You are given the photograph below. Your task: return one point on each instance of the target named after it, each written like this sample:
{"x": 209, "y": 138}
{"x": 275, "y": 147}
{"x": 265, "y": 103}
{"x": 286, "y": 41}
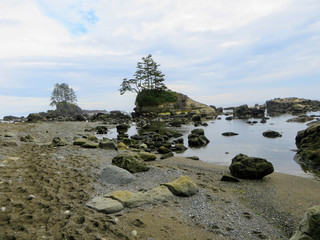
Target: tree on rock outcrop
{"x": 147, "y": 77}
{"x": 65, "y": 100}
{"x": 63, "y": 93}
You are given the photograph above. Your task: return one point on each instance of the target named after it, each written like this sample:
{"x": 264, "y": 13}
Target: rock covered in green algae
{"x": 132, "y": 162}
{"x": 246, "y": 167}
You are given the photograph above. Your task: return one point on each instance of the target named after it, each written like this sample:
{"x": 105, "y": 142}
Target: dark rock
{"x": 102, "y": 129}
{"x": 229, "y": 118}
{"x": 308, "y": 143}
{"x": 107, "y": 144}
{"x": 229, "y": 134}
{"x": 271, "y": 134}
{"x": 122, "y": 128}
{"x": 167, "y": 155}
{"x": 228, "y": 178}
{"x": 198, "y": 131}
{"x": 301, "y": 119}
{"x": 132, "y": 162}
{"x": 246, "y": 167}
{"x": 163, "y": 150}
{"x": 196, "y": 158}
{"x": 35, "y": 117}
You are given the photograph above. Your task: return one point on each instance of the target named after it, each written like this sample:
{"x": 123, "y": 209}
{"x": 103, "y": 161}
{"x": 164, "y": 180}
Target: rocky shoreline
{"x": 44, "y": 190}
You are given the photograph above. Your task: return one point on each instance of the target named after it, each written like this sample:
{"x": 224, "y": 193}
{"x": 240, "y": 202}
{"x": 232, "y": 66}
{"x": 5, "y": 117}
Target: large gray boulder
{"x": 309, "y": 228}
{"x": 132, "y": 162}
{"x": 246, "y": 167}
{"x": 105, "y": 205}
{"x": 116, "y": 175}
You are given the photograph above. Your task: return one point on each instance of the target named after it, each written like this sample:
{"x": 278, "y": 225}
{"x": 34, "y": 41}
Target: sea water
{"x": 279, "y": 151}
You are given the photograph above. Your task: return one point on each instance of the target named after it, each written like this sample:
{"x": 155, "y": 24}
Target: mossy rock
{"x": 183, "y": 186}
{"x": 132, "y": 162}
{"x": 79, "y": 141}
{"x": 246, "y": 167}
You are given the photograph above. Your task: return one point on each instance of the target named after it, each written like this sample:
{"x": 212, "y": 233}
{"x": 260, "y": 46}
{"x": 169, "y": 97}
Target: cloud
{"x": 206, "y": 48}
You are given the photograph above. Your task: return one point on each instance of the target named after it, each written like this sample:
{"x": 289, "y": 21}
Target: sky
{"x": 218, "y": 52}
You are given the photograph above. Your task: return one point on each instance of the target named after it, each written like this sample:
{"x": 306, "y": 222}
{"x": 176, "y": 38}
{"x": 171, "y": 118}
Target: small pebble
{"x": 134, "y": 232}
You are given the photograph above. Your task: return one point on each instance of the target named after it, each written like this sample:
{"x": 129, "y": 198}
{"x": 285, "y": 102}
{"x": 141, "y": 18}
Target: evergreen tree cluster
{"x": 147, "y": 77}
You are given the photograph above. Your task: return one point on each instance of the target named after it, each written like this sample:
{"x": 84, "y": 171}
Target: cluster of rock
{"x": 197, "y": 138}
{"x": 308, "y": 143}
{"x": 245, "y": 112}
{"x": 280, "y": 106}
{"x": 118, "y": 200}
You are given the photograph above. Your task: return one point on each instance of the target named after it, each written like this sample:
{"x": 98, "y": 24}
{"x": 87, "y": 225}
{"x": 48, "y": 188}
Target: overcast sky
{"x": 218, "y": 52}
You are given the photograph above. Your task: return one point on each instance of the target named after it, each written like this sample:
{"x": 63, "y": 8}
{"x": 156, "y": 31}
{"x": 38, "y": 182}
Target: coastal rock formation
{"x": 309, "y": 228}
{"x": 246, "y": 167}
{"x": 183, "y": 186}
{"x": 183, "y": 104}
{"x": 280, "y": 106}
{"x": 245, "y": 112}
{"x": 308, "y": 143}
{"x": 59, "y": 141}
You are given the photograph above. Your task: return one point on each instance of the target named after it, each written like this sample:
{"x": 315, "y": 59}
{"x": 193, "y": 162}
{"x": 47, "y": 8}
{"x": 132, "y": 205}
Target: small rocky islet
{"x": 59, "y": 181}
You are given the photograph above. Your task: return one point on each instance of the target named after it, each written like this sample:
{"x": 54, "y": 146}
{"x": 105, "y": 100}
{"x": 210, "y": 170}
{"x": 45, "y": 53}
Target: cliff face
{"x": 183, "y": 104}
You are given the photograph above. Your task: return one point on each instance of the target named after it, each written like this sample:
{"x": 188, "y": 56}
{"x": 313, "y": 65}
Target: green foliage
{"x": 154, "y": 98}
{"x": 63, "y": 93}
{"x": 147, "y": 77}
{"x": 64, "y": 108}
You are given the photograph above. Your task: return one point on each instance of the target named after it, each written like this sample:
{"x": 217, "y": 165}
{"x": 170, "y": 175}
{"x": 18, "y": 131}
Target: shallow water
{"x": 250, "y": 141}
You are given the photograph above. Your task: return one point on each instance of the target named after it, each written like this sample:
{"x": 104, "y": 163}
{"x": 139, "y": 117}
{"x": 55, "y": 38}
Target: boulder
{"x": 163, "y": 150}
{"x": 122, "y": 128}
{"x": 115, "y": 175}
{"x": 309, "y": 228}
{"x": 80, "y": 141}
{"x": 107, "y": 144}
{"x": 246, "y": 167}
{"x": 130, "y": 161}
{"x": 271, "y": 134}
{"x": 105, "y": 205}
{"x": 59, "y": 141}
{"x": 102, "y": 129}
{"x": 133, "y": 200}
{"x": 122, "y": 146}
{"x": 145, "y": 156}
{"x": 197, "y": 138}
{"x": 92, "y": 138}
{"x": 167, "y": 155}
{"x": 183, "y": 186}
